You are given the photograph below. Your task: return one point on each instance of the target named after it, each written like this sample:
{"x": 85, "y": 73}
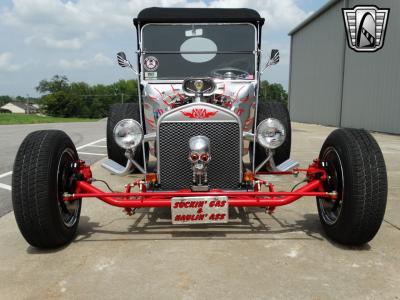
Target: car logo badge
{"x": 198, "y": 84}
{"x": 199, "y": 113}
{"x": 365, "y": 27}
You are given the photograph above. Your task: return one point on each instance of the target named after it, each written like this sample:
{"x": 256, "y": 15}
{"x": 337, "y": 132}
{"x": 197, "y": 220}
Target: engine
{"x": 236, "y": 96}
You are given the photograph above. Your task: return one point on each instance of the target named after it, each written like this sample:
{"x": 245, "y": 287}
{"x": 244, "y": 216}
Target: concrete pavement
{"x": 255, "y": 256}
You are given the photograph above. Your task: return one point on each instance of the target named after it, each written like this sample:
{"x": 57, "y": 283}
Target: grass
{"x": 9, "y": 119}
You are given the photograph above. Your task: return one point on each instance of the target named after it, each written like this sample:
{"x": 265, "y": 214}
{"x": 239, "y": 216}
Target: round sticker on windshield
{"x": 151, "y": 63}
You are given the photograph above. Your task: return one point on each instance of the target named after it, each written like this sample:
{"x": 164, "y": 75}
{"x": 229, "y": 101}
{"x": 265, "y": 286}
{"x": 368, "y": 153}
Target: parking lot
{"x": 89, "y": 138}
{"x": 254, "y": 256}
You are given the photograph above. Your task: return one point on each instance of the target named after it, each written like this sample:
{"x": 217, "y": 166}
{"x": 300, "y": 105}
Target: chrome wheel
{"x": 69, "y": 211}
{"x": 331, "y": 209}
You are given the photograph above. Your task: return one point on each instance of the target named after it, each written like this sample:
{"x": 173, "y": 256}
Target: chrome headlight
{"x": 271, "y": 133}
{"x": 128, "y": 134}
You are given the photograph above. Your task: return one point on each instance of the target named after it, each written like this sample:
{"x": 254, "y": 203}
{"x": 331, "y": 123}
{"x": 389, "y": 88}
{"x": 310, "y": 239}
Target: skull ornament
{"x": 199, "y": 156}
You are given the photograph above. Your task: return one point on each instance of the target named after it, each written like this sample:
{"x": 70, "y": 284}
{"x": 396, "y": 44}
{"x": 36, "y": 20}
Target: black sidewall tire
{"x": 365, "y": 187}
{"x": 34, "y": 189}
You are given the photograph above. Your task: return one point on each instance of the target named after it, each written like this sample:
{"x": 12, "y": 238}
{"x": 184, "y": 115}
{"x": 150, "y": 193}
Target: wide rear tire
{"x": 117, "y": 113}
{"x": 42, "y": 171}
{"x": 356, "y": 170}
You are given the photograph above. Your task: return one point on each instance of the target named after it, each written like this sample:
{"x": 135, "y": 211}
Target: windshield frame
{"x": 141, "y": 52}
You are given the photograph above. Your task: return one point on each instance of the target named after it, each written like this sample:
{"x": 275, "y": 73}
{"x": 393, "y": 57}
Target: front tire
{"x": 356, "y": 170}
{"x": 42, "y": 173}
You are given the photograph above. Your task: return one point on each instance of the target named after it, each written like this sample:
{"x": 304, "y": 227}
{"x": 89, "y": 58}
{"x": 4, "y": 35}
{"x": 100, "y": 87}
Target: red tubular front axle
{"x": 163, "y": 199}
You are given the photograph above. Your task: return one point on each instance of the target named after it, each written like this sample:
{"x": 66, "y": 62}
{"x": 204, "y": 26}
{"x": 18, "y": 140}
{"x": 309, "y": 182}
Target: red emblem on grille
{"x": 199, "y": 113}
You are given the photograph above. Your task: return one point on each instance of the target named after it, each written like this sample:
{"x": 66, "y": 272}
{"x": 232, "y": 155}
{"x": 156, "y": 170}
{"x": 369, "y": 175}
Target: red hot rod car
{"x": 201, "y": 138}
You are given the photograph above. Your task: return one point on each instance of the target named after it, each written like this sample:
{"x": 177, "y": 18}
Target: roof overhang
{"x": 315, "y": 15}
{"x": 198, "y": 15}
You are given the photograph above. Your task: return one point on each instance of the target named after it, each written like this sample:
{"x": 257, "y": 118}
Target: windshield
{"x": 203, "y": 50}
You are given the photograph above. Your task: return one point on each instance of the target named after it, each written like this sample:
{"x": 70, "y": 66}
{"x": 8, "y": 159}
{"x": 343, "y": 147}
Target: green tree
{"x": 5, "y": 99}
{"x": 126, "y": 89}
{"x": 20, "y": 99}
{"x": 55, "y": 104}
{"x": 273, "y": 92}
{"x": 56, "y": 84}
{"x": 79, "y": 99}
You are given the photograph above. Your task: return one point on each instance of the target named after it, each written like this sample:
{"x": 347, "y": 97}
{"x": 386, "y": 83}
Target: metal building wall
{"x": 316, "y": 69}
{"x": 371, "y": 89}
{"x": 331, "y": 84}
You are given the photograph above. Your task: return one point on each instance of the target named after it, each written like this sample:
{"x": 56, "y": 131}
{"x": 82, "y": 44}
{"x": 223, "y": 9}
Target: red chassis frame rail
{"x": 316, "y": 176}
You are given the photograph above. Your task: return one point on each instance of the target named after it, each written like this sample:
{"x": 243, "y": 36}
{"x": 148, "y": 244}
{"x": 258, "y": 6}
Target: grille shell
{"x": 175, "y": 169}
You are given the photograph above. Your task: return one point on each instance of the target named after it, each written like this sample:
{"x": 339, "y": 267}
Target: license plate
{"x": 199, "y": 210}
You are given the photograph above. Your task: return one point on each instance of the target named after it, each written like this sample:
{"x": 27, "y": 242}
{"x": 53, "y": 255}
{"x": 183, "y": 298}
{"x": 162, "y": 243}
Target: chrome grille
{"x": 174, "y": 165}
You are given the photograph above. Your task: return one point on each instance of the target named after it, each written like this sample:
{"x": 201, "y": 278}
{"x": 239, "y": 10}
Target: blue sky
{"x": 79, "y": 38}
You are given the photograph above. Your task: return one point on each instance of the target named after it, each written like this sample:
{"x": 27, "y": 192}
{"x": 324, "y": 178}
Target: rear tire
{"x": 117, "y": 113}
{"x": 357, "y": 171}
{"x": 42, "y": 171}
{"x": 279, "y": 111}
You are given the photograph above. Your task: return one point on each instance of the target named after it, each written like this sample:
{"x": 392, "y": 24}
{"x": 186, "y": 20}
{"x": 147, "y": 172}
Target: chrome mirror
{"x": 272, "y": 60}
{"x": 274, "y": 57}
{"x": 124, "y": 62}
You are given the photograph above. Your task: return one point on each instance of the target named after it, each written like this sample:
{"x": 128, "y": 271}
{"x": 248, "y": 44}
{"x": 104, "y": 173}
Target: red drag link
{"x": 163, "y": 199}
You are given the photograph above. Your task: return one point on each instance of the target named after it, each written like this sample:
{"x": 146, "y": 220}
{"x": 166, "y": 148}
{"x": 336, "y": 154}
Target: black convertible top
{"x": 198, "y": 15}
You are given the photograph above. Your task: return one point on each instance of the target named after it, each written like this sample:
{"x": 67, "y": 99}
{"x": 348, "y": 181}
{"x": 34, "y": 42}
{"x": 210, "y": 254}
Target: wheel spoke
{"x": 68, "y": 211}
{"x": 331, "y": 209}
